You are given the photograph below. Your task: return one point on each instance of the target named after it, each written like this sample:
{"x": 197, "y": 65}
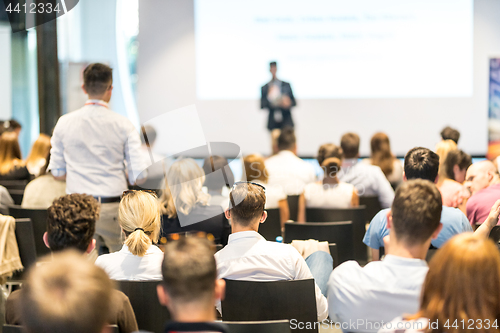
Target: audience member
{"x": 275, "y": 134}
{"x": 248, "y": 256}
{"x": 68, "y": 294}
{"x": 37, "y": 158}
{"x": 218, "y": 180}
{"x": 89, "y": 147}
{"x": 286, "y": 169}
{"x": 456, "y": 165}
{"x": 483, "y": 181}
{"x": 5, "y": 200}
{"x": 420, "y": 163}
{"x": 382, "y": 157}
{"x": 190, "y": 286}
{"x": 71, "y": 224}
{"x": 453, "y": 192}
{"x": 367, "y": 179}
{"x": 139, "y": 259}
{"x": 12, "y": 166}
{"x": 12, "y": 126}
{"x": 449, "y": 133}
{"x": 443, "y": 148}
{"x": 185, "y": 205}
{"x": 330, "y": 192}
{"x": 158, "y": 164}
{"x": 256, "y": 172}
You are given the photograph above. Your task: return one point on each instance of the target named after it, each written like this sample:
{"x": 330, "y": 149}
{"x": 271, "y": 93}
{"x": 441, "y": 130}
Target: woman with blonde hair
{"x": 139, "y": 259}
{"x": 38, "y": 155}
{"x": 382, "y": 157}
{"x": 255, "y": 171}
{"x": 12, "y": 166}
{"x": 185, "y": 206}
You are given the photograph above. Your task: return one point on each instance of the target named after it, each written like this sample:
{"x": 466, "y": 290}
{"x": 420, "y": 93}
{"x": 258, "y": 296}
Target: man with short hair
{"x": 368, "y": 179}
{"x": 71, "y": 224}
{"x": 190, "y": 286}
{"x": 483, "y": 181}
{"x": 449, "y": 133}
{"x": 420, "y": 163}
{"x": 248, "y": 256}
{"x": 89, "y": 149}
{"x": 67, "y": 294}
{"x": 285, "y": 169}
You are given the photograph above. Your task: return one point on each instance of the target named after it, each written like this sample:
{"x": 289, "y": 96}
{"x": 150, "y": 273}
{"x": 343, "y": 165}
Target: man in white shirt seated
{"x": 287, "y": 170}
{"x": 368, "y": 179}
{"x": 248, "y": 256}
{"x": 361, "y": 298}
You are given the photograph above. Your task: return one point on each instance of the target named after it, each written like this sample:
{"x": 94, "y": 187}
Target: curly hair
{"x": 71, "y": 222}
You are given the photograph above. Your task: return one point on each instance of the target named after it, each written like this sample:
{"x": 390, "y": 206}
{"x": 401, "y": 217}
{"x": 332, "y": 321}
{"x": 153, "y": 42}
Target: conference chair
{"x": 19, "y": 329}
{"x": 17, "y": 196}
{"x": 27, "y": 252}
{"x": 339, "y": 233}
{"x": 14, "y": 184}
{"x": 271, "y": 228}
{"x": 272, "y": 300}
{"x": 495, "y": 234}
{"x": 334, "y": 252}
{"x": 372, "y": 205}
{"x": 293, "y": 206}
{"x": 149, "y": 313}
{"x": 271, "y": 326}
{"x": 356, "y": 215}
{"x": 39, "y": 221}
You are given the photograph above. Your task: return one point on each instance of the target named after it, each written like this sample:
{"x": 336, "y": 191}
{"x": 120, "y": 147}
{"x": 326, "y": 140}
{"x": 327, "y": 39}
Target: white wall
{"x": 5, "y": 72}
{"x": 166, "y": 68}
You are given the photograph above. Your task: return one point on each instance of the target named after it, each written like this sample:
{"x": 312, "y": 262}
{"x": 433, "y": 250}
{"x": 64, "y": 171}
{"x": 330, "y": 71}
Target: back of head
{"x": 255, "y": 168}
{"x": 421, "y": 163}
{"x": 287, "y": 140}
{"x": 71, "y": 222}
{"x": 330, "y": 158}
{"x": 189, "y": 270}
{"x": 456, "y": 157}
{"x": 11, "y": 125}
{"x": 10, "y": 152}
{"x": 381, "y": 153}
{"x": 40, "y": 149}
{"x": 462, "y": 282}
{"x": 247, "y": 203}
{"x": 350, "y": 145}
{"x": 97, "y": 79}
{"x": 213, "y": 163}
{"x": 442, "y": 149}
{"x": 148, "y": 136}
{"x": 449, "y": 133}
{"x": 183, "y": 189}
{"x": 139, "y": 216}
{"x": 416, "y": 211}
{"x": 67, "y": 294}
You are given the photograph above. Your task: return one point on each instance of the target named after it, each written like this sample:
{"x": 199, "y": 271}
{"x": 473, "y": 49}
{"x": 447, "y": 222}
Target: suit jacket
{"x": 286, "y": 90}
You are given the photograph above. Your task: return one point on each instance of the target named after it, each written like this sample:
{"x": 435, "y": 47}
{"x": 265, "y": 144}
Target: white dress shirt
{"x": 368, "y": 180}
{"x": 90, "y": 146}
{"x": 380, "y": 291}
{"x": 289, "y": 172}
{"x": 274, "y": 194}
{"x": 320, "y": 195}
{"x": 248, "y": 256}
{"x": 123, "y": 265}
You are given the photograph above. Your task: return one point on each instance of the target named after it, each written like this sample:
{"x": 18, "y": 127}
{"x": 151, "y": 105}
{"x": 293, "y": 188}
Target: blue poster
{"x": 494, "y": 109}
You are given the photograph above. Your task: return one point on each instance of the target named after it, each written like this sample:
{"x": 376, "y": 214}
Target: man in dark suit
{"x": 277, "y": 96}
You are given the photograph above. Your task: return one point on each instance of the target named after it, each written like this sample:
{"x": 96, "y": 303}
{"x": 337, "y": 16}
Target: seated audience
{"x": 275, "y": 134}
{"x": 68, "y": 294}
{"x": 367, "y": 179}
{"x": 451, "y": 181}
{"x": 330, "y": 192}
{"x": 185, "y": 207}
{"x": 443, "y": 148}
{"x": 139, "y": 259}
{"x": 71, "y": 225}
{"x": 287, "y": 170}
{"x": 460, "y": 288}
{"x": 382, "y": 157}
{"x": 190, "y": 286}
{"x": 483, "y": 181}
{"x": 10, "y": 126}
{"x": 420, "y": 163}
{"x": 215, "y": 183}
{"x": 256, "y": 172}
{"x": 449, "y": 133}
{"x": 248, "y": 256}
{"x": 37, "y": 159}
{"x": 5, "y": 200}
{"x": 12, "y": 166}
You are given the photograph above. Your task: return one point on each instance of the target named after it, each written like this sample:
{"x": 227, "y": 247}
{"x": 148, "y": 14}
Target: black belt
{"x": 108, "y": 199}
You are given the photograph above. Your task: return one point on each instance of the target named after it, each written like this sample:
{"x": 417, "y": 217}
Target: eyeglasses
{"x": 127, "y": 192}
{"x": 256, "y": 184}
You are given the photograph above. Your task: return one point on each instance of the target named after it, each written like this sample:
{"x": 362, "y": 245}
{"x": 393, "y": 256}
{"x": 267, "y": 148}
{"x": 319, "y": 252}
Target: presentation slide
{"x": 335, "y": 49}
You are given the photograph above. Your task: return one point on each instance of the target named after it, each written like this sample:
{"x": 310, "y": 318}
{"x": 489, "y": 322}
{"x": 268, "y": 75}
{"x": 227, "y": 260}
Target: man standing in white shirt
{"x": 90, "y": 147}
{"x": 248, "y": 256}
{"x": 285, "y": 169}
{"x": 367, "y": 179}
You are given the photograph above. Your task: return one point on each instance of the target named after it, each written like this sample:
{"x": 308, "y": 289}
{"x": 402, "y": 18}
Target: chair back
{"x": 25, "y": 242}
{"x": 149, "y": 313}
{"x": 334, "y": 253}
{"x": 271, "y": 228}
{"x": 17, "y": 196}
{"x": 339, "y": 233}
{"x": 293, "y": 206}
{"x": 355, "y": 214}
{"x": 38, "y": 219}
{"x": 271, "y": 326}
{"x": 372, "y": 205}
{"x": 14, "y": 184}
{"x": 495, "y": 234}
{"x": 274, "y": 300}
